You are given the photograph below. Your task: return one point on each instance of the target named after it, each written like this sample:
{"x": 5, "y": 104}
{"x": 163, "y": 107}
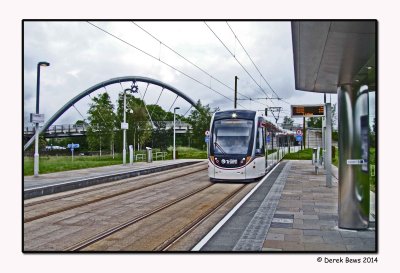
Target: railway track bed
{"x": 161, "y": 215}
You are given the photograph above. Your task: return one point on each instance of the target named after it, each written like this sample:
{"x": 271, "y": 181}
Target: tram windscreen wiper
{"x": 219, "y": 147}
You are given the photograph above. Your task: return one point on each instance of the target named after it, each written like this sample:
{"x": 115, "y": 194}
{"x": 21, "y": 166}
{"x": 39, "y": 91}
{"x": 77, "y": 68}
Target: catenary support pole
{"x": 235, "y": 100}
{"x": 328, "y": 145}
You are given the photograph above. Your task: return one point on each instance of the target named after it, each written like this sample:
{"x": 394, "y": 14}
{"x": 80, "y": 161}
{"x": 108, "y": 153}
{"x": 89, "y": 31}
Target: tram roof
{"x": 328, "y": 54}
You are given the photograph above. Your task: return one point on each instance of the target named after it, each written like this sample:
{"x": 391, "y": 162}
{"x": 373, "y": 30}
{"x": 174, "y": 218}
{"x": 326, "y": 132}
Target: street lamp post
{"x": 36, "y": 155}
{"x": 124, "y": 128}
{"x": 176, "y": 108}
{"x": 124, "y": 125}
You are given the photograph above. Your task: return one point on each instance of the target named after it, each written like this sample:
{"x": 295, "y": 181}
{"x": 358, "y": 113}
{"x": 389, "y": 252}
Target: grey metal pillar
{"x": 324, "y": 134}
{"x": 328, "y": 144}
{"x": 124, "y": 135}
{"x": 324, "y": 139}
{"x": 353, "y": 151}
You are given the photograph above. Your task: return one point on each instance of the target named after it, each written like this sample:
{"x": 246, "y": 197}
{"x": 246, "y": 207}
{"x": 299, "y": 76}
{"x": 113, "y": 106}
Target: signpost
{"x": 73, "y": 146}
{"x": 299, "y": 135}
{"x": 207, "y": 140}
{"x": 36, "y": 118}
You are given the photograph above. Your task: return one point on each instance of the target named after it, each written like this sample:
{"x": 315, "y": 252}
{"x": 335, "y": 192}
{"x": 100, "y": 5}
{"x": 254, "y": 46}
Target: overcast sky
{"x": 81, "y": 55}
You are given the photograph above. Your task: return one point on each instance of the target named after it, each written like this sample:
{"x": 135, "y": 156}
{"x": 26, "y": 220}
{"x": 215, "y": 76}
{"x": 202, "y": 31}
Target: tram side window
{"x": 260, "y": 142}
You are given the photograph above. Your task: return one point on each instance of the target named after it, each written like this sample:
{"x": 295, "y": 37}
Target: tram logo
{"x": 229, "y": 161}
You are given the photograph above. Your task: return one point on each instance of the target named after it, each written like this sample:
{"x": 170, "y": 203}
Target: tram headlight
{"x": 234, "y": 115}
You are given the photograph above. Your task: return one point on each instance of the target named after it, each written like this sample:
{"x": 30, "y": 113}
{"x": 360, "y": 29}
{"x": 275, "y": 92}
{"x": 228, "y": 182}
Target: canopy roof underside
{"x": 328, "y": 54}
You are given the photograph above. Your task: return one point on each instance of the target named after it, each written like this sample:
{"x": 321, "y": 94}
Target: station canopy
{"x": 328, "y": 54}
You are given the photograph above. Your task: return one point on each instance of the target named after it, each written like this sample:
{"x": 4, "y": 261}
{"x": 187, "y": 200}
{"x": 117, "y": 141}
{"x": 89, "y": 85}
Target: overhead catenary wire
{"x": 258, "y": 70}
{"x": 233, "y": 55}
{"x": 248, "y": 55}
{"x": 187, "y": 60}
{"x": 165, "y": 63}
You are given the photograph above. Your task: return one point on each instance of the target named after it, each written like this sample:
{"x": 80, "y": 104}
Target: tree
{"x": 80, "y": 122}
{"x": 314, "y": 122}
{"x": 372, "y": 134}
{"x": 139, "y": 131}
{"x": 334, "y": 115}
{"x": 101, "y": 117}
{"x": 200, "y": 122}
{"x": 287, "y": 123}
{"x": 374, "y": 126}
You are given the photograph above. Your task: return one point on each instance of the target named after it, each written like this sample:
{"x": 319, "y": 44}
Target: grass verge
{"x": 51, "y": 164}
{"x": 305, "y": 154}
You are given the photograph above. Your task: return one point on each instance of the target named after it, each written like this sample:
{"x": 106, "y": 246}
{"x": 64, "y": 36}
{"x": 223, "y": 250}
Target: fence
{"x": 313, "y": 138}
{"x": 143, "y": 157}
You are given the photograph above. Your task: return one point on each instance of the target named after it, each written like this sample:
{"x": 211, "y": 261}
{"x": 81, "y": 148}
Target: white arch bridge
{"x": 103, "y": 84}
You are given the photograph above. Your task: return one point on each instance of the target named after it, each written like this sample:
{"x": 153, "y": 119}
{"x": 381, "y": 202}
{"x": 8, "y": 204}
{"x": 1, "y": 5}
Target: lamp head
{"x": 44, "y": 64}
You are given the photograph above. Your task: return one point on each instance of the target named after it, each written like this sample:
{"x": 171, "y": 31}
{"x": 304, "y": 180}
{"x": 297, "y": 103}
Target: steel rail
{"x": 102, "y": 198}
{"x": 198, "y": 221}
{"x": 110, "y": 231}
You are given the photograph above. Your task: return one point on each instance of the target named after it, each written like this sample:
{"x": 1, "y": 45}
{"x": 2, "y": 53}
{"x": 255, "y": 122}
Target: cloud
{"x": 81, "y": 56}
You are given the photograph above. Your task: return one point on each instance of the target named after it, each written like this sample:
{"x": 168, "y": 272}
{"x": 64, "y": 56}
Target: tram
{"x": 236, "y": 146}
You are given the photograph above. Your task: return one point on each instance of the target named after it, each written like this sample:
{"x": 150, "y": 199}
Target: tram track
{"x": 166, "y": 217}
{"x": 167, "y": 245}
{"x": 168, "y": 238}
{"x": 115, "y": 229}
{"x": 96, "y": 197}
{"x": 65, "y": 229}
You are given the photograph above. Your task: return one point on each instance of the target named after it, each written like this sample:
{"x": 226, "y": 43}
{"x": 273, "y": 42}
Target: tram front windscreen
{"x": 232, "y": 136}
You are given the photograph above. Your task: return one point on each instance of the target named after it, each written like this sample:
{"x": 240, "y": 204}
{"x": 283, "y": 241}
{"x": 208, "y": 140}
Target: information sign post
{"x": 72, "y": 146}
{"x": 207, "y": 140}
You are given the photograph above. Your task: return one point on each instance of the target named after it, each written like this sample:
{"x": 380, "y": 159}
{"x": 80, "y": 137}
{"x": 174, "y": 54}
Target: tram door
{"x": 260, "y": 150}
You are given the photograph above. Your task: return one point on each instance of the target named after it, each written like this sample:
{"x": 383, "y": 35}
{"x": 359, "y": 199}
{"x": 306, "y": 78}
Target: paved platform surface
{"x": 67, "y": 180}
{"x": 292, "y": 210}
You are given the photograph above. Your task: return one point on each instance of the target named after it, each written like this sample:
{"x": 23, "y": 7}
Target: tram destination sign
{"x": 311, "y": 110}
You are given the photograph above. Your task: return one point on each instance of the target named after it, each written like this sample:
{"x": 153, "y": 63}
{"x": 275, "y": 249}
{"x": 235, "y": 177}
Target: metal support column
{"x": 328, "y": 144}
{"x": 353, "y": 157}
{"x": 124, "y": 133}
{"x": 235, "y": 99}
{"x": 324, "y": 134}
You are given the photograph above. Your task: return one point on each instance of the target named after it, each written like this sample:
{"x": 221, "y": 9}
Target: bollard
{"x": 315, "y": 159}
{"x": 314, "y": 156}
{"x": 130, "y": 154}
{"x": 149, "y": 155}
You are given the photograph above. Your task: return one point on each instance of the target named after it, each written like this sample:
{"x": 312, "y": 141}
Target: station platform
{"x": 292, "y": 210}
{"x": 51, "y": 183}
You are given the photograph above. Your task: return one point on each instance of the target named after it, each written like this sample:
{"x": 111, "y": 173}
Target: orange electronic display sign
{"x": 316, "y": 110}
